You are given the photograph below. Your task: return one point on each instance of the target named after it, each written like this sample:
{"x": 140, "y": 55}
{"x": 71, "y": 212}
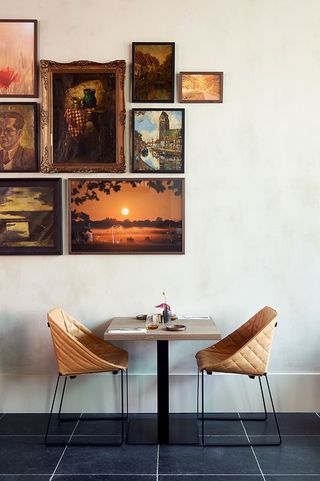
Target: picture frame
{"x": 18, "y": 58}
{"x": 201, "y": 87}
{"x": 83, "y": 116}
{"x": 18, "y": 137}
{"x": 153, "y": 72}
{"x": 30, "y": 216}
{"x": 158, "y": 140}
{"x": 126, "y": 216}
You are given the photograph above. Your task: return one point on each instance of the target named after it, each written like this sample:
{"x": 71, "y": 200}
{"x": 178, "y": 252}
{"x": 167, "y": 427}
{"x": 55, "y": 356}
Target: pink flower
{"x": 7, "y": 76}
{"x": 164, "y": 306}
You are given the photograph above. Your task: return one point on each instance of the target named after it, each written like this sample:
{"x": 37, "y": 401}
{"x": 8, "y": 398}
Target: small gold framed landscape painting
{"x": 201, "y": 87}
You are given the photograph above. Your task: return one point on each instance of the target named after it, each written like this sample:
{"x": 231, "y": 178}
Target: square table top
{"x": 127, "y": 328}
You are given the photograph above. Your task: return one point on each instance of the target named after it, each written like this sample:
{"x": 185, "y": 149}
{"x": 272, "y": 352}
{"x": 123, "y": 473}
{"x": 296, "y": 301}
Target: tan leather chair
{"x": 78, "y": 351}
{"x": 245, "y": 351}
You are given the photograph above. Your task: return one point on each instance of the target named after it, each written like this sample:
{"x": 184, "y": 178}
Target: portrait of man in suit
{"x": 15, "y": 155}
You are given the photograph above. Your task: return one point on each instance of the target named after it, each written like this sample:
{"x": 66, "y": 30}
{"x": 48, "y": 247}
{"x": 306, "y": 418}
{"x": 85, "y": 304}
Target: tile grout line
{"x": 170, "y": 474}
{"x": 252, "y": 450}
{"x": 158, "y": 457}
{"x": 52, "y": 475}
{"x": 206, "y": 435}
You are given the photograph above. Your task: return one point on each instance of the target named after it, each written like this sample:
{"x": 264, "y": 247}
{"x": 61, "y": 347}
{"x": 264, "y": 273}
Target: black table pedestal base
{"x": 182, "y": 430}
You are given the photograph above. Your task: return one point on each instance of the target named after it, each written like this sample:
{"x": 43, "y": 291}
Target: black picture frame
{"x": 30, "y": 216}
{"x": 153, "y": 72}
{"x": 21, "y": 121}
{"x": 126, "y": 215}
{"x": 158, "y": 140}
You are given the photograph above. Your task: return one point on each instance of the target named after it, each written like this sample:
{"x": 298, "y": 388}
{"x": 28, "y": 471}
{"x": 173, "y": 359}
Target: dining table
{"x": 165, "y": 429}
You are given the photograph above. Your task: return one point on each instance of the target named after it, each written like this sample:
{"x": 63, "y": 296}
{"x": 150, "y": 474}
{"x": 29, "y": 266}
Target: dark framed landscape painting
{"x": 158, "y": 140}
{"x": 18, "y": 137}
{"x": 30, "y": 216}
{"x": 153, "y": 71}
{"x": 201, "y": 87}
{"x": 126, "y": 216}
{"x": 18, "y": 58}
{"x": 83, "y": 116}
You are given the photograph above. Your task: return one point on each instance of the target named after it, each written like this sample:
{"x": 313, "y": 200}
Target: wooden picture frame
{"x": 201, "y": 87}
{"x": 158, "y": 140}
{"x": 18, "y": 58}
{"x": 153, "y": 72}
{"x": 30, "y": 216}
{"x": 83, "y": 116}
{"x": 126, "y": 216}
{"x": 18, "y": 137}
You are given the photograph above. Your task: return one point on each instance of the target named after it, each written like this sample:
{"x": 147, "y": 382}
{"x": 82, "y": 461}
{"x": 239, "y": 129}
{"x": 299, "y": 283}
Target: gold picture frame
{"x": 83, "y": 116}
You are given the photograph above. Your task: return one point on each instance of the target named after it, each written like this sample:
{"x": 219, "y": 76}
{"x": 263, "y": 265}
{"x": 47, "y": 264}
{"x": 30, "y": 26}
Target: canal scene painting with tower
{"x": 158, "y": 140}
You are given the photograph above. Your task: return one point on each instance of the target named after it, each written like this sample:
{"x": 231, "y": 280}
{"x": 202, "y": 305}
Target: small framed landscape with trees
{"x": 153, "y": 71}
{"x": 126, "y": 216}
{"x": 201, "y": 87}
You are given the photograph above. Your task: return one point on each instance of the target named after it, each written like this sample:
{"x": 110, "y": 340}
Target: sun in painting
{"x": 125, "y": 211}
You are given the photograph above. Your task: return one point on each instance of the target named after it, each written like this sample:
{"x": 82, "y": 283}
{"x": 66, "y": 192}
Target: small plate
{"x": 176, "y": 327}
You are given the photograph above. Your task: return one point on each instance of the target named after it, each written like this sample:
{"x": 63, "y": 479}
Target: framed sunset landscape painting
{"x": 18, "y": 58}
{"x": 126, "y": 216}
{"x": 201, "y": 87}
{"x": 30, "y": 216}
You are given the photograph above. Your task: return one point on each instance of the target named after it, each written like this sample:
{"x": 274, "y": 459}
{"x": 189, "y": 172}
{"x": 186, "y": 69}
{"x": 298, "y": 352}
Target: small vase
{"x": 89, "y": 99}
{"x": 166, "y": 315}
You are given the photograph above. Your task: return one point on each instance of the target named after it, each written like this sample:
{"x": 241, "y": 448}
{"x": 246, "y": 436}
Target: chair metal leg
{"x": 52, "y": 405}
{"x": 202, "y": 406}
{"x": 62, "y": 396}
{"x": 127, "y": 392}
{"x": 263, "y": 400}
{"x": 214, "y": 418}
{"x": 274, "y": 412}
{"x": 242, "y": 419}
{"x": 122, "y": 415}
{"x": 198, "y": 380}
{"x": 122, "y": 418}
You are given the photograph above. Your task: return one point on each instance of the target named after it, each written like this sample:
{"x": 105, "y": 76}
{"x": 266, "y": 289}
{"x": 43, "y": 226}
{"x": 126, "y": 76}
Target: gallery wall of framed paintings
{"x": 82, "y": 124}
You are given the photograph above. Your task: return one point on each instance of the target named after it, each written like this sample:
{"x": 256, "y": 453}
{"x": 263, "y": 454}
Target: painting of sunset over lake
{"x": 132, "y": 216}
{"x": 30, "y": 216}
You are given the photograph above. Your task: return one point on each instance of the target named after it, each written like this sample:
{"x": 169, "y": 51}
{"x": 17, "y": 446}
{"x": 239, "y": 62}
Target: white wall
{"x": 252, "y": 204}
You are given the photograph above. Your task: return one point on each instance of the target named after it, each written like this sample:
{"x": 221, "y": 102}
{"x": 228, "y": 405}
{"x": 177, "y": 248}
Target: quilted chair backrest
{"x": 69, "y": 341}
{"x": 253, "y": 341}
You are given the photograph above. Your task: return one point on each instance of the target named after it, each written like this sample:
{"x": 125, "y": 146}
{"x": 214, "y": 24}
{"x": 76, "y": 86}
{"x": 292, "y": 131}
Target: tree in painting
{"x": 120, "y": 216}
{"x": 153, "y": 72}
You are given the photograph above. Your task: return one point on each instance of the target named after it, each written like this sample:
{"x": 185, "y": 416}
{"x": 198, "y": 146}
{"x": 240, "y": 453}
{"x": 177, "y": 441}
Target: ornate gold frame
{"x": 48, "y": 69}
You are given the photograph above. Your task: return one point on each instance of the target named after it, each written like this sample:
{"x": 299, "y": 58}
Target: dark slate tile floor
{"x": 24, "y": 457}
